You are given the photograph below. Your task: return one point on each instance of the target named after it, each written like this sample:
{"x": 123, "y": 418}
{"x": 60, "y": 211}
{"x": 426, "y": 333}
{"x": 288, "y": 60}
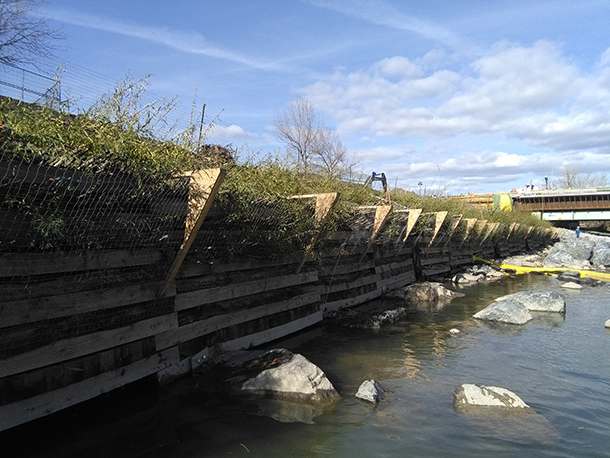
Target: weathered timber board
{"x": 21, "y": 412}
{"x": 21, "y": 264}
{"x": 193, "y": 267}
{"x": 396, "y": 281}
{"x": 259, "y": 338}
{"x": 195, "y": 298}
{"x": 86, "y": 344}
{"x": 340, "y": 268}
{"x": 335, "y": 287}
{"x": 200, "y": 328}
{"x": 393, "y": 266}
{"x": 23, "y": 311}
{"x": 352, "y": 301}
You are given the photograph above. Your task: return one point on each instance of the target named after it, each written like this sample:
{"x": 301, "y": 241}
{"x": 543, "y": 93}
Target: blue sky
{"x": 466, "y": 96}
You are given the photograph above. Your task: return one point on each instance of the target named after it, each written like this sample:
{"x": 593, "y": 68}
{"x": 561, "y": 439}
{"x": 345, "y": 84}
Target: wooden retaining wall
{"x": 76, "y": 325}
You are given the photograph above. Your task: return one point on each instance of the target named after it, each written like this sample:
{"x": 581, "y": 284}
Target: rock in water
{"x": 297, "y": 379}
{"x": 607, "y": 324}
{"x": 429, "y": 291}
{"x": 469, "y": 396}
{"x": 370, "y": 391}
{"x": 539, "y": 301}
{"x": 571, "y": 285}
{"x": 508, "y": 311}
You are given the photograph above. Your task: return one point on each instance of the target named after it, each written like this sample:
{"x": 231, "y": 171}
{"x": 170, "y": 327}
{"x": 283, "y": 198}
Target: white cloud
{"x": 531, "y": 93}
{"x": 384, "y": 14}
{"x": 192, "y": 43}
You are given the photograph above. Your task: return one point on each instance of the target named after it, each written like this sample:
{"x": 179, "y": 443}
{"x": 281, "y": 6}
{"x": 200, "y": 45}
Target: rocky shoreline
{"x": 303, "y": 389}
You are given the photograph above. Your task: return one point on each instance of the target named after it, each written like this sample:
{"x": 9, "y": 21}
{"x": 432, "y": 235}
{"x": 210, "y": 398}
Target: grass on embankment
{"x": 65, "y": 140}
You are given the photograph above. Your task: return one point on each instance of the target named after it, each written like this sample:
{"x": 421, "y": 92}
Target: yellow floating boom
{"x": 602, "y": 276}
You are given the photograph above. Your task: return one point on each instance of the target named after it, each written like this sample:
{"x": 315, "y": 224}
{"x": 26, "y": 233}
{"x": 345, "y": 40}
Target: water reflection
{"x": 287, "y": 411}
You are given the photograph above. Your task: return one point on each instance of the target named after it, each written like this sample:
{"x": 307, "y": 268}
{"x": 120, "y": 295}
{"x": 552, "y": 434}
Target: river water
{"x": 560, "y": 366}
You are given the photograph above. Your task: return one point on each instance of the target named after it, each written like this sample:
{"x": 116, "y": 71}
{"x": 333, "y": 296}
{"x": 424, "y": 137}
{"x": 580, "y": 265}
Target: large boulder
{"x": 510, "y": 311}
{"x": 429, "y": 292}
{"x": 468, "y": 397}
{"x": 539, "y": 301}
{"x": 565, "y": 259}
{"x": 297, "y": 379}
{"x": 524, "y": 260}
{"x": 573, "y": 253}
{"x": 370, "y": 391}
{"x": 601, "y": 254}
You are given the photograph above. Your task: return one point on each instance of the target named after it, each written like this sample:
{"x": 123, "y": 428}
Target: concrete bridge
{"x": 566, "y": 205}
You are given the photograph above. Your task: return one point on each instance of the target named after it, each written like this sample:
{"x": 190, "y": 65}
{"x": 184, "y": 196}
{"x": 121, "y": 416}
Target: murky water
{"x": 559, "y": 366}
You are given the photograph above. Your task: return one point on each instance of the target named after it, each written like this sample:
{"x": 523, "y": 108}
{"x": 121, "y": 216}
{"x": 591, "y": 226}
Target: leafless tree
{"x": 330, "y": 156}
{"x": 317, "y": 149}
{"x": 573, "y": 179}
{"x": 298, "y": 128}
{"x": 23, "y": 37}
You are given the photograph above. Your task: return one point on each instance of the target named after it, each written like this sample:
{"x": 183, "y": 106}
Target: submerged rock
{"x": 428, "y": 292}
{"x": 510, "y": 311}
{"x": 539, "y": 301}
{"x": 469, "y": 396}
{"x": 370, "y": 391}
{"x": 374, "y": 320}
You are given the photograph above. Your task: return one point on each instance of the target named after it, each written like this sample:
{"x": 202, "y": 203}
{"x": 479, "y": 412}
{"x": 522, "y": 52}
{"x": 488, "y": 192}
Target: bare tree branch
{"x": 573, "y": 179}
{"x": 298, "y": 128}
{"x": 316, "y": 148}
{"x": 23, "y": 37}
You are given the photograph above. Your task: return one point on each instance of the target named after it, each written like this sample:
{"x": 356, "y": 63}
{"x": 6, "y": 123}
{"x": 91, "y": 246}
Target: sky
{"x": 451, "y": 96}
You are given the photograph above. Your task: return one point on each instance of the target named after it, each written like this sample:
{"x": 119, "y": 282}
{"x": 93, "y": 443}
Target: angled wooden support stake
{"x": 438, "y": 222}
{"x": 470, "y": 222}
{"x": 510, "y": 231}
{"x": 204, "y": 186}
{"x": 455, "y": 221}
{"x": 491, "y": 228}
{"x": 324, "y": 206}
{"x": 414, "y": 214}
{"x": 381, "y": 216}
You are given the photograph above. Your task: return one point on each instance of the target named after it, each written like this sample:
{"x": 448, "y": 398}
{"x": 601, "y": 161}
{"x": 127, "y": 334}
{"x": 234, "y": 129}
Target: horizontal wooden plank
{"x": 19, "y": 264}
{"x": 85, "y": 345}
{"x": 396, "y": 281}
{"x": 29, "y": 409}
{"x": 259, "y": 338}
{"x": 344, "y": 267}
{"x": 194, "y": 268}
{"x": 336, "y": 287}
{"x": 436, "y": 270}
{"x": 191, "y": 299}
{"x": 432, "y": 261}
{"x": 203, "y": 327}
{"x": 407, "y": 264}
{"x": 352, "y": 301}
{"x": 30, "y": 310}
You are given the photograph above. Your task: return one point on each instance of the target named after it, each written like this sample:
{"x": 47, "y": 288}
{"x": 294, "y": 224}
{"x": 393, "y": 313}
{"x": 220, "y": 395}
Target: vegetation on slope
{"x": 97, "y": 144}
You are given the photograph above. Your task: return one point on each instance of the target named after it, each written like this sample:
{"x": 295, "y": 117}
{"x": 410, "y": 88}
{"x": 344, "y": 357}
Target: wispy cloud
{"x": 382, "y": 13}
{"x": 192, "y": 43}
